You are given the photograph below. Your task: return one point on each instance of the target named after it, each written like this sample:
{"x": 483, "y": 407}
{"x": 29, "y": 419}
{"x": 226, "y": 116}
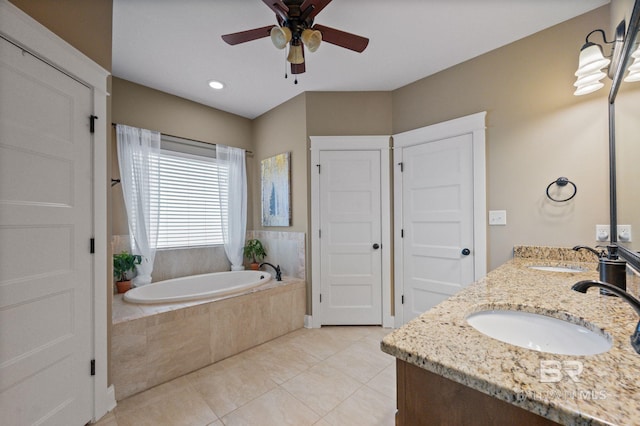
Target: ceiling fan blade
{"x": 342, "y": 39}
{"x": 278, "y": 7}
{"x": 318, "y": 5}
{"x": 249, "y": 35}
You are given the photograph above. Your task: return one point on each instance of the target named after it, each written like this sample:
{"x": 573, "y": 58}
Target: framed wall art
{"x": 275, "y": 174}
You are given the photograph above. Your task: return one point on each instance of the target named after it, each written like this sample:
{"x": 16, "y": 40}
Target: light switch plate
{"x": 497, "y": 217}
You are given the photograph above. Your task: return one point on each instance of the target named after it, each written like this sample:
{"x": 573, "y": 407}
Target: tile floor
{"x": 327, "y": 376}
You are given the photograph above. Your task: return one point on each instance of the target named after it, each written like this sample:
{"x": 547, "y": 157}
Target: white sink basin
{"x": 557, "y": 268}
{"x": 539, "y": 332}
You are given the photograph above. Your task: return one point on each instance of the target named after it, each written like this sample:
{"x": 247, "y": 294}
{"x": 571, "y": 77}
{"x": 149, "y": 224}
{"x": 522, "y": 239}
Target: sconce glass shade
{"x": 589, "y": 71}
{"x": 590, "y": 88}
{"x": 280, "y": 36}
{"x": 295, "y": 54}
{"x": 634, "y": 69}
{"x": 632, "y": 77}
{"x": 591, "y": 60}
{"x": 311, "y": 39}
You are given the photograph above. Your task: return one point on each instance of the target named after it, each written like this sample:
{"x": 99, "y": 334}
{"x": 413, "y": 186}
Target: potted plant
{"x": 255, "y": 251}
{"x": 123, "y": 263}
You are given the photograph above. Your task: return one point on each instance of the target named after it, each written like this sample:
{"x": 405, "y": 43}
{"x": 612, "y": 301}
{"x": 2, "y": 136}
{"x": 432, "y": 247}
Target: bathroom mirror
{"x": 624, "y": 135}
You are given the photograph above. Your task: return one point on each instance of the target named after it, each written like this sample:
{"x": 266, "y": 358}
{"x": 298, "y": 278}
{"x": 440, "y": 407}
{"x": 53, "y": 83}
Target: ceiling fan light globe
{"x": 311, "y": 39}
{"x": 280, "y": 36}
{"x": 295, "y": 54}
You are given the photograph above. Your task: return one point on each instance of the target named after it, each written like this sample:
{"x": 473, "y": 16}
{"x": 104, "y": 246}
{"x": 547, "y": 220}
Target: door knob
{"x": 376, "y": 246}
{"x": 466, "y": 252}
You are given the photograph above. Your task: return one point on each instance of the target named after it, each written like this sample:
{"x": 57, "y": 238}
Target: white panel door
{"x": 437, "y": 209}
{"x": 45, "y": 226}
{"x": 350, "y": 226}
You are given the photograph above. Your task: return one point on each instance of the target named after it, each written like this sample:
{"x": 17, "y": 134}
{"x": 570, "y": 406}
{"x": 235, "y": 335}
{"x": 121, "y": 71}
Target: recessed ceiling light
{"x": 214, "y": 84}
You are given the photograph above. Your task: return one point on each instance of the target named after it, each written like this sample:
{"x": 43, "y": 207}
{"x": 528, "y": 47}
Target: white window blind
{"x": 192, "y": 196}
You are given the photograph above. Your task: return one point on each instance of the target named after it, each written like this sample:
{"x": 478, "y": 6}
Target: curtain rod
{"x": 189, "y": 139}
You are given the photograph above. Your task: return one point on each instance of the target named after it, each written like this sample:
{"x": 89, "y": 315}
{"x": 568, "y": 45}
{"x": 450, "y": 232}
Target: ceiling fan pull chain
{"x": 285, "y": 64}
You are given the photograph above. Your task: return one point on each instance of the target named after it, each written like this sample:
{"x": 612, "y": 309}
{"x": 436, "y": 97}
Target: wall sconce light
{"x": 592, "y": 62}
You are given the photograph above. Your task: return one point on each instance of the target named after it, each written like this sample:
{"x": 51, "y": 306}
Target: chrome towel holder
{"x": 562, "y": 181}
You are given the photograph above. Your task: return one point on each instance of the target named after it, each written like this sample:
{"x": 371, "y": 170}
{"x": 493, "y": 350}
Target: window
{"x": 191, "y": 193}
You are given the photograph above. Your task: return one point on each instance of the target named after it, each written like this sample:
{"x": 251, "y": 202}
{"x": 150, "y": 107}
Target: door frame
{"x": 474, "y": 125}
{"x": 25, "y": 32}
{"x": 351, "y": 143}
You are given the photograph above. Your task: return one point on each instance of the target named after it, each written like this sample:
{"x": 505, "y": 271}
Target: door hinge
{"x": 320, "y": 297}
{"x": 92, "y": 245}
{"x": 93, "y": 367}
{"x": 318, "y": 166}
{"x": 92, "y": 123}
{"x": 402, "y": 299}
{"x": 319, "y": 233}
{"x": 402, "y": 233}
{"x": 401, "y": 164}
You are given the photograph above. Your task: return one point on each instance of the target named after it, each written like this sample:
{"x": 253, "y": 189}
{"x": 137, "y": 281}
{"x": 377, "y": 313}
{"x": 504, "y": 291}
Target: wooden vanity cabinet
{"x": 425, "y": 398}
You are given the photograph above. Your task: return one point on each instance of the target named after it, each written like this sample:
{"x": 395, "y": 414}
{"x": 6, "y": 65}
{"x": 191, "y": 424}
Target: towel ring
{"x": 562, "y": 181}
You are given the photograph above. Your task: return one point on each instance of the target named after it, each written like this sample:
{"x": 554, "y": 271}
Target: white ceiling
{"x": 175, "y": 46}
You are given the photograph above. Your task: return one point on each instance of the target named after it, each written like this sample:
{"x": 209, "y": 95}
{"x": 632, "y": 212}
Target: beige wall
{"x": 85, "y": 24}
{"x": 283, "y": 129}
{"x": 349, "y": 113}
{"x": 537, "y": 131}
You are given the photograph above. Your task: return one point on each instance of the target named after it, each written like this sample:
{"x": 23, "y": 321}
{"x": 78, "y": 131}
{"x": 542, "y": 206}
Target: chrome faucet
{"x": 275, "y": 268}
{"x": 583, "y": 286}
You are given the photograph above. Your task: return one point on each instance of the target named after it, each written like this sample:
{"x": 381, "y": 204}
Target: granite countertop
{"x": 441, "y": 341}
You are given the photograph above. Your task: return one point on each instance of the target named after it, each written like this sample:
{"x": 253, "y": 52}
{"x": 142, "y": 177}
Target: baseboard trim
{"x": 308, "y": 321}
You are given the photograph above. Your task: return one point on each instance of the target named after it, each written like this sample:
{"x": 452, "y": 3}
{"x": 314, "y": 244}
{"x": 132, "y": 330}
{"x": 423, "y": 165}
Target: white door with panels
{"x": 435, "y": 204}
{"x": 350, "y": 231}
{"x": 46, "y": 275}
{"x": 350, "y": 237}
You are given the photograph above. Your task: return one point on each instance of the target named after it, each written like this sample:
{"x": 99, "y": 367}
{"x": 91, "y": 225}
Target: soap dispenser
{"x": 612, "y": 269}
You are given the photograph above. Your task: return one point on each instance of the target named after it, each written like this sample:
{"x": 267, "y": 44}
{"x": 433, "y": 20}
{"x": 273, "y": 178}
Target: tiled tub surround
{"x": 441, "y": 341}
{"x": 176, "y": 263}
{"x": 286, "y": 249}
{"x": 152, "y": 344}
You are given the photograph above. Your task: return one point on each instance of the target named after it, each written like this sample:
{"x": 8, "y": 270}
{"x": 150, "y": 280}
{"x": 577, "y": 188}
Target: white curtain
{"x": 138, "y": 154}
{"x": 234, "y": 219}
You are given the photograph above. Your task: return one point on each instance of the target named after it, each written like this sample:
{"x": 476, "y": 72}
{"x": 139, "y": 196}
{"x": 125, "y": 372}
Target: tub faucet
{"x": 275, "y": 268}
{"x": 583, "y": 286}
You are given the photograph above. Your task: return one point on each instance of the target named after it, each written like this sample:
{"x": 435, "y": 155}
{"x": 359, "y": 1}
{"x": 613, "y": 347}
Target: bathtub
{"x": 197, "y": 287}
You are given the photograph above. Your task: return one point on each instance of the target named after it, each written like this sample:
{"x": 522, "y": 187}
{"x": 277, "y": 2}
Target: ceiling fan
{"x": 296, "y": 29}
